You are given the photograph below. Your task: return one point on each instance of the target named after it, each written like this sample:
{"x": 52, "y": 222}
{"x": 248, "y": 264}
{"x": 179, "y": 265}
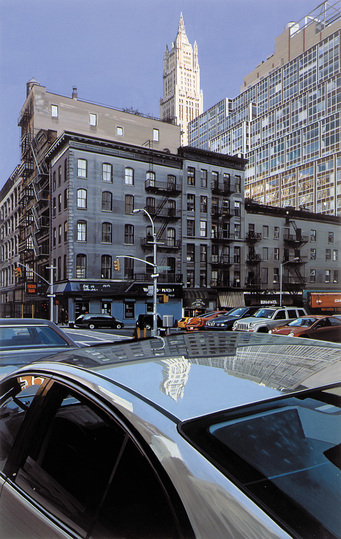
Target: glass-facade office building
{"x": 287, "y": 119}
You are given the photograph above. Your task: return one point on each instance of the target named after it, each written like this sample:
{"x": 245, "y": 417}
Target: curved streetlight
{"x": 154, "y": 274}
{"x": 281, "y": 277}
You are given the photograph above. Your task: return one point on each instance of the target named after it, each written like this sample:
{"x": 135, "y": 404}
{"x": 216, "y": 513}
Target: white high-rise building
{"x": 182, "y": 98}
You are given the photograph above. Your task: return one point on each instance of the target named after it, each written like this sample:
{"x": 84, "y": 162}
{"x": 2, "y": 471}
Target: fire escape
{"x": 34, "y": 243}
{"x": 221, "y": 214}
{"x": 164, "y": 212}
{"x": 293, "y": 278}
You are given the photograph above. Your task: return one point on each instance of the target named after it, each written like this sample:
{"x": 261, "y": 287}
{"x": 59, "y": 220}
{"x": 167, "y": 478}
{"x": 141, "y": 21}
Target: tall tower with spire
{"x": 182, "y": 98}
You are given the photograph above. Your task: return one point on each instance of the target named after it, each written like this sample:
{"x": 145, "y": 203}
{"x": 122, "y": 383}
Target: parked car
{"x": 194, "y": 435}
{"x": 199, "y": 322}
{"x": 225, "y": 322}
{"x": 324, "y": 328}
{"x": 23, "y": 340}
{"x": 182, "y": 322}
{"x": 93, "y": 321}
{"x": 267, "y": 318}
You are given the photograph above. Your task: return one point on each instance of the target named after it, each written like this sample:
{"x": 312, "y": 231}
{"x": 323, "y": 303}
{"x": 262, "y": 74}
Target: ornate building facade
{"x": 182, "y": 98}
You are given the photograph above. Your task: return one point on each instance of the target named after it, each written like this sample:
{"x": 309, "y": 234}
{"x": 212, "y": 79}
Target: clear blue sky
{"x": 112, "y": 50}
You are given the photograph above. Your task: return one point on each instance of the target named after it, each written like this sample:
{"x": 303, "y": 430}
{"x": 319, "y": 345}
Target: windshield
{"x": 29, "y": 337}
{"x": 264, "y": 313}
{"x": 285, "y": 454}
{"x": 237, "y": 312}
{"x": 302, "y": 322}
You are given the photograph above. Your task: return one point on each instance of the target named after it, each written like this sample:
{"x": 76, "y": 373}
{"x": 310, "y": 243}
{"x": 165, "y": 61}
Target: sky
{"x": 112, "y": 50}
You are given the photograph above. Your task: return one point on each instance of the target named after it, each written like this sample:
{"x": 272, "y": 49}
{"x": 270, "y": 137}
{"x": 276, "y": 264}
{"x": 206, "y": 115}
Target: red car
{"x": 198, "y": 322}
{"x": 323, "y": 328}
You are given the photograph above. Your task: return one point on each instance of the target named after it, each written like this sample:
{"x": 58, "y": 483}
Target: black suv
{"x": 145, "y": 321}
{"x": 93, "y": 321}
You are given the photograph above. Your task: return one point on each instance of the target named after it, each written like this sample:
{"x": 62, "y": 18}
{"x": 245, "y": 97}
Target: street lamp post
{"x": 154, "y": 274}
{"x": 281, "y": 278}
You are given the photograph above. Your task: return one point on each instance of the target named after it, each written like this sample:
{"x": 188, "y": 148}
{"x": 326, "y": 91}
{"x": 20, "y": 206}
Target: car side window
{"x": 17, "y": 399}
{"x": 280, "y": 315}
{"x": 301, "y": 312}
{"x": 292, "y": 313}
{"x": 84, "y": 468}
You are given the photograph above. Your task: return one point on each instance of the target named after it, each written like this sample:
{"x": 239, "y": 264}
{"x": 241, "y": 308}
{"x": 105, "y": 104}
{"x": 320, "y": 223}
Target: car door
{"x": 74, "y": 470}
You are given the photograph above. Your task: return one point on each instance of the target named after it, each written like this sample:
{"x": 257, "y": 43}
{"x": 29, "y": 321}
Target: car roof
{"x": 187, "y": 376}
{"x": 24, "y": 321}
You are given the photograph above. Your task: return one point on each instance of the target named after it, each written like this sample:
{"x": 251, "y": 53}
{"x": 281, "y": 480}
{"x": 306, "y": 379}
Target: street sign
{"x": 163, "y": 268}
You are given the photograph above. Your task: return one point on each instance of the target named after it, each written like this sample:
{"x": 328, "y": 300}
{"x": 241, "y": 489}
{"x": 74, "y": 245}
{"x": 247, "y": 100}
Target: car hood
{"x": 226, "y": 370}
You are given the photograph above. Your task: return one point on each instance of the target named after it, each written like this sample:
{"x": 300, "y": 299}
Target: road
{"x": 91, "y": 336}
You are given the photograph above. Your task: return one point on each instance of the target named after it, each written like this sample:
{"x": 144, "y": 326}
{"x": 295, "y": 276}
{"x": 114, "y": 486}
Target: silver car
{"x": 197, "y": 435}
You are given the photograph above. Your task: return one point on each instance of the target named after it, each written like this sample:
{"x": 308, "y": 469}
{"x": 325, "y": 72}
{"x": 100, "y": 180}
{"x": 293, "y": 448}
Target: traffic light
{"x": 116, "y": 265}
{"x": 17, "y": 272}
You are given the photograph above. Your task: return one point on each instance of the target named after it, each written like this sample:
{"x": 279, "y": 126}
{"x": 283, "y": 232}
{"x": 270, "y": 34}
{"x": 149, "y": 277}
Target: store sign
{"x": 31, "y": 288}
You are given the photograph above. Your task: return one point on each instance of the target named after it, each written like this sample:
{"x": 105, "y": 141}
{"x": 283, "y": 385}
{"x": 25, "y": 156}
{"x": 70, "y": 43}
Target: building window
{"x": 106, "y": 267}
{"x": 328, "y": 254}
{"x": 236, "y": 258}
{"x": 59, "y": 203}
{"x": 106, "y": 201}
{"x": 237, "y": 231}
{"x": 155, "y": 135}
{"x": 335, "y": 276}
{"x": 190, "y": 252}
{"x": 330, "y": 237}
{"x": 264, "y": 275}
{"x": 171, "y": 181}
{"x": 81, "y": 230}
{"x": 203, "y": 204}
{"x": 203, "y": 177}
{"x": 65, "y": 231}
{"x": 129, "y": 176}
{"x": 276, "y": 275}
{"x": 276, "y": 253}
{"x": 82, "y": 198}
{"x": 66, "y": 198}
{"x": 237, "y": 210}
{"x": 59, "y": 234}
{"x": 93, "y": 119}
{"x": 54, "y": 111}
{"x": 203, "y": 254}
{"x": 119, "y": 131}
{"x": 276, "y": 232}
{"x": 265, "y": 253}
{"x": 312, "y": 235}
{"x": 150, "y": 205}
{"x": 59, "y": 176}
{"x": 54, "y": 183}
{"x": 312, "y": 254}
{"x": 129, "y": 234}
{"x": 238, "y": 182}
{"x": 150, "y": 178}
{"x": 203, "y": 229}
{"x": 54, "y": 237}
{"x": 66, "y": 170}
{"x": 215, "y": 180}
{"x": 82, "y": 166}
{"x": 170, "y": 237}
{"x": 190, "y": 227}
{"x": 335, "y": 255}
{"x": 191, "y": 203}
{"x": 327, "y": 276}
{"x": 129, "y": 203}
{"x": 106, "y": 233}
{"x": 265, "y": 232}
{"x": 107, "y": 175}
{"x": 190, "y": 176}
{"x": 312, "y": 275}
{"x": 81, "y": 266}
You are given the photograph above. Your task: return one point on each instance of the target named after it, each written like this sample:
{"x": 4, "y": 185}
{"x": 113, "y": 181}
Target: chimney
{"x": 74, "y": 93}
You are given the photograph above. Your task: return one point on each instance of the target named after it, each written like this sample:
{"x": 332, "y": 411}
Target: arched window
{"x": 82, "y": 199}
{"x": 106, "y": 201}
{"x": 106, "y": 233}
{"x": 106, "y": 266}
{"x": 129, "y": 176}
{"x": 150, "y": 178}
{"x": 81, "y": 266}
